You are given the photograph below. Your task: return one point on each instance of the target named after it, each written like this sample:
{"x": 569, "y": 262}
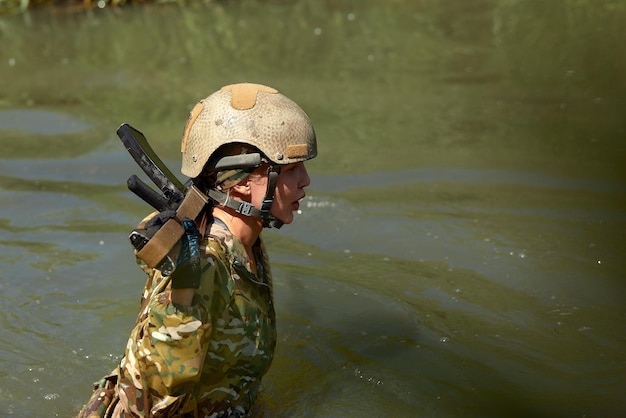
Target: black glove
{"x": 187, "y": 272}
{"x": 157, "y": 221}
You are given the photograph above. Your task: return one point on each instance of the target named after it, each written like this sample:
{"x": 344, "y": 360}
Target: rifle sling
{"x": 168, "y": 235}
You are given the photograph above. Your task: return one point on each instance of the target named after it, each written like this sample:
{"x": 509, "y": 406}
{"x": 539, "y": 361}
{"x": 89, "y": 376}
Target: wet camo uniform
{"x": 204, "y": 361}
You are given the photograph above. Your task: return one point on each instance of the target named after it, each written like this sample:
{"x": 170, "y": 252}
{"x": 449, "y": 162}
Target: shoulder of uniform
{"x": 217, "y": 241}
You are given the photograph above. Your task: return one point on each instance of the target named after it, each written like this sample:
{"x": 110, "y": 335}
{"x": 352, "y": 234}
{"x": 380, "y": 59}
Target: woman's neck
{"x": 247, "y": 229}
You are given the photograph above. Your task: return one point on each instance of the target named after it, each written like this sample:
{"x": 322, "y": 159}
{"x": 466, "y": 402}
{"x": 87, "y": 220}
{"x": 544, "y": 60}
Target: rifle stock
{"x": 138, "y": 147}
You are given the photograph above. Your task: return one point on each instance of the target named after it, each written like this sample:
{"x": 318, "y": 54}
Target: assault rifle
{"x": 186, "y": 201}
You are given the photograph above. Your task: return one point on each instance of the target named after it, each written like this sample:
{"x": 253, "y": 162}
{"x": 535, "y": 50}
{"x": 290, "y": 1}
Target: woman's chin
{"x": 286, "y": 219}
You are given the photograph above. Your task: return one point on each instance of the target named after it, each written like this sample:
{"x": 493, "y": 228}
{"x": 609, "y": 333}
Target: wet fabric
{"x": 203, "y": 361}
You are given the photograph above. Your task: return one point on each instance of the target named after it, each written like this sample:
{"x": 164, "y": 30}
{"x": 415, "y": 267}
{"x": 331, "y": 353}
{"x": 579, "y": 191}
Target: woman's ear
{"x": 242, "y": 188}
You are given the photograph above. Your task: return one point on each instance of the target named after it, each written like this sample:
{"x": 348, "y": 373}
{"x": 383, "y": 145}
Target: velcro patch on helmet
{"x": 244, "y": 95}
{"x": 193, "y": 115}
{"x": 297, "y": 151}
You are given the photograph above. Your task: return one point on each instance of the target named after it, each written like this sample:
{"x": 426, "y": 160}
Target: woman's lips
{"x": 296, "y": 205}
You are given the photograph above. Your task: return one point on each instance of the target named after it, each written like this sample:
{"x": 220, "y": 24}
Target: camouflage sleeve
{"x": 164, "y": 357}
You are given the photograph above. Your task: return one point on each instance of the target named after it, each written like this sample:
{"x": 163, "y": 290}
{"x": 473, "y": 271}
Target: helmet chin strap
{"x": 270, "y": 221}
{"x": 248, "y": 209}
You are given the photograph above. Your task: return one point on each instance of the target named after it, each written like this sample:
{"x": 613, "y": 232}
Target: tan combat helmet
{"x": 251, "y": 114}
{"x": 247, "y": 113}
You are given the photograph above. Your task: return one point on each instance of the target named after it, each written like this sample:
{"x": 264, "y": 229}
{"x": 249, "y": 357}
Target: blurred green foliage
{"x": 19, "y": 6}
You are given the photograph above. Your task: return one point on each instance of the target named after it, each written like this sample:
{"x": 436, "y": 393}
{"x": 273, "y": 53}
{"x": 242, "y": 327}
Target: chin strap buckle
{"x": 245, "y": 208}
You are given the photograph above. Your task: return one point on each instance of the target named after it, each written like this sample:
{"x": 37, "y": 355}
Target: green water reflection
{"x": 460, "y": 252}
{"x": 496, "y": 84}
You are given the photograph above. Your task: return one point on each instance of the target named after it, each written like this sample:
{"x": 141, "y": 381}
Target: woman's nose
{"x": 305, "y": 180}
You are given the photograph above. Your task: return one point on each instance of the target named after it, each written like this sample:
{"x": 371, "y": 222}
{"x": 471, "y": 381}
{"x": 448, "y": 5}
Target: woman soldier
{"x": 206, "y": 332}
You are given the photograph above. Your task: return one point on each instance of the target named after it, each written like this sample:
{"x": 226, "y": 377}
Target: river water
{"x": 460, "y": 251}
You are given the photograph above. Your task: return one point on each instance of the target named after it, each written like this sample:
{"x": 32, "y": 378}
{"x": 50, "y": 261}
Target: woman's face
{"x": 292, "y": 180}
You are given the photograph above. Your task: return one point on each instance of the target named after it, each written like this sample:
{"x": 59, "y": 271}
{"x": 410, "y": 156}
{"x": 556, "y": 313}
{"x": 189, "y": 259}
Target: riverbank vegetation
{"x": 20, "y": 6}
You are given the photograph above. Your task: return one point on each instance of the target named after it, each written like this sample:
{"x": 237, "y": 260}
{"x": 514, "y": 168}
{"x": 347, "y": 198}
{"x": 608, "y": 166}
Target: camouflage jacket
{"x": 206, "y": 360}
